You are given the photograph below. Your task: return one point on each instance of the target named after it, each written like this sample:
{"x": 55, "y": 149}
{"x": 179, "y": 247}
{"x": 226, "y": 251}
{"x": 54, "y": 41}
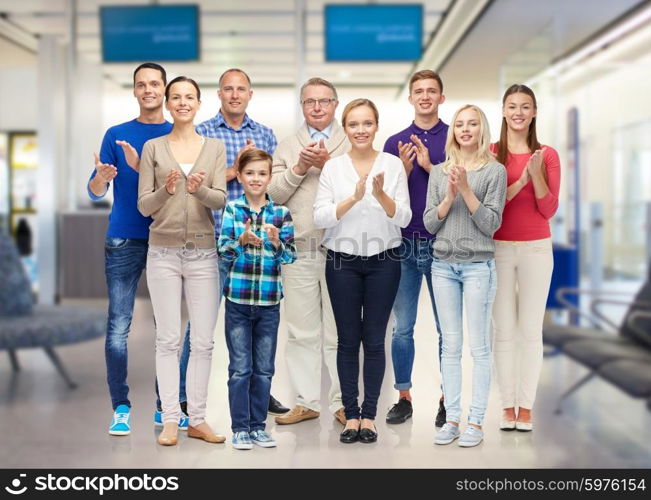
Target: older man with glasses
{"x": 312, "y": 334}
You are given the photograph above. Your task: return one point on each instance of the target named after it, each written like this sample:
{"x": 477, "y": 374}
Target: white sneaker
{"x": 472, "y": 436}
{"x": 447, "y": 434}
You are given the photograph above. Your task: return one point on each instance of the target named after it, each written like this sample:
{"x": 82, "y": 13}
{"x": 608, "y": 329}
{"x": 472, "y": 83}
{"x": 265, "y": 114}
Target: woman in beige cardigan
{"x": 182, "y": 179}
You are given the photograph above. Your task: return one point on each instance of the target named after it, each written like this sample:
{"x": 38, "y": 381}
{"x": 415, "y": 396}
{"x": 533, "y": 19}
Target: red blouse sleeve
{"x": 548, "y": 204}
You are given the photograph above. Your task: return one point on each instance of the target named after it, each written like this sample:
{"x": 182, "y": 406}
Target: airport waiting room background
{"x": 589, "y": 63}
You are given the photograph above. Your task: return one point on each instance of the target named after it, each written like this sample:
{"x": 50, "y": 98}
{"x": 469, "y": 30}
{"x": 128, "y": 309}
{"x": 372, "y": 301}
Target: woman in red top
{"x": 523, "y": 255}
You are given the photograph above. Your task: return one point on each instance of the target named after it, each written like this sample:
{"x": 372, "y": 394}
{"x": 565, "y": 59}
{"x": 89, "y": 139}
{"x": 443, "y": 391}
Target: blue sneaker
{"x": 241, "y": 441}
{"x": 261, "y": 438}
{"x": 121, "y": 423}
{"x": 184, "y": 421}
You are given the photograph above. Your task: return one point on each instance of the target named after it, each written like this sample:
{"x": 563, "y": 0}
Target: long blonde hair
{"x": 453, "y": 150}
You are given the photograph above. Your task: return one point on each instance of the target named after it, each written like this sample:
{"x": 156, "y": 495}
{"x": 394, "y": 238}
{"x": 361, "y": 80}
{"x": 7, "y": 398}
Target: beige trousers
{"x": 524, "y": 271}
{"x": 171, "y": 274}
{"x": 311, "y": 329}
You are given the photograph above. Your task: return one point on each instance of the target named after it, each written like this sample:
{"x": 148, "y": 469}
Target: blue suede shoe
{"x": 121, "y": 423}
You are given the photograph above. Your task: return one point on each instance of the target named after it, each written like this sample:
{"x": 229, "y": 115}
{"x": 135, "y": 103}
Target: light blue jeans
{"x": 474, "y": 282}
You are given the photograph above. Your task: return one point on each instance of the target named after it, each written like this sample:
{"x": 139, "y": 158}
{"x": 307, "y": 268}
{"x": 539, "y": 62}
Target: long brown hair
{"x": 532, "y": 138}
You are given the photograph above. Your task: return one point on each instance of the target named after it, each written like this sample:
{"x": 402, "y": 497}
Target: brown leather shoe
{"x": 296, "y": 415}
{"x": 340, "y": 415}
{"x": 168, "y": 436}
{"x": 193, "y": 432}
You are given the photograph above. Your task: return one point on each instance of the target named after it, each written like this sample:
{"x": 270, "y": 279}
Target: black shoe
{"x": 367, "y": 435}
{"x": 349, "y": 436}
{"x": 400, "y": 412}
{"x": 441, "y": 416}
{"x": 275, "y": 407}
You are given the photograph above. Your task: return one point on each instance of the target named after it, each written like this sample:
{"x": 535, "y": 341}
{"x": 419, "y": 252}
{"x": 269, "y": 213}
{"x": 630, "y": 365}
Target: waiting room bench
{"x": 24, "y": 325}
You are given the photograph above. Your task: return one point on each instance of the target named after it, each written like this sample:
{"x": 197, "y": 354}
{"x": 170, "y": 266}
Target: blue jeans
{"x": 251, "y": 335}
{"x": 416, "y": 256}
{"x": 475, "y": 283}
{"x": 362, "y": 291}
{"x": 224, "y": 267}
{"x": 124, "y": 261}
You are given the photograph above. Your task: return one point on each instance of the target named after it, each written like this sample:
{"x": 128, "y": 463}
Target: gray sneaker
{"x": 447, "y": 434}
{"x": 472, "y": 436}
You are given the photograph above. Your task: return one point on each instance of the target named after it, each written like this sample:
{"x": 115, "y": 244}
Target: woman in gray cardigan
{"x": 182, "y": 179}
{"x": 465, "y": 199}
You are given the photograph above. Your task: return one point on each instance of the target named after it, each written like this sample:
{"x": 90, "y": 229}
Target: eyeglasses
{"x": 324, "y": 103}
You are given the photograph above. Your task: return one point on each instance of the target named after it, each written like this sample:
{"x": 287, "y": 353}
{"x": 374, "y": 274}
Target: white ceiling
{"x": 521, "y": 38}
{"x": 256, "y": 35}
{"x": 512, "y": 39}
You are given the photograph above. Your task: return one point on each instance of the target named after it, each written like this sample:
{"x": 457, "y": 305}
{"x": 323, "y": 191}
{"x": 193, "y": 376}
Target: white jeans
{"x": 311, "y": 328}
{"x": 171, "y": 273}
{"x": 524, "y": 271}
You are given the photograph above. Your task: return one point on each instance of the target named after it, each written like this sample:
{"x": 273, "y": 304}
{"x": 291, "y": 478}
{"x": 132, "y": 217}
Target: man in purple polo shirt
{"x": 419, "y": 146}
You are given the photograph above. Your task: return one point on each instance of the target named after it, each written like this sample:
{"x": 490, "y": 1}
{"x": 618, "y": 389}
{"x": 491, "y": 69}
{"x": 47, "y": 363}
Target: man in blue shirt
{"x": 239, "y": 133}
{"x": 128, "y": 231}
{"x": 420, "y": 146}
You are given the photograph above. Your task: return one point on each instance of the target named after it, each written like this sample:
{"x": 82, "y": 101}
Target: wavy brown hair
{"x": 532, "y": 138}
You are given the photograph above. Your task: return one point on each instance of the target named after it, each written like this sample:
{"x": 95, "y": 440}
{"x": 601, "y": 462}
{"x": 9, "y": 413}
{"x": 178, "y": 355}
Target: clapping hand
{"x": 460, "y": 178}
{"x": 378, "y": 184}
{"x": 407, "y": 152}
{"x": 313, "y": 155}
{"x": 249, "y": 145}
{"x": 360, "y": 188}
{"x": 422, "y": 153}
{"x": 535, "y": 166}
{"x": 104, "y": 171}
{"x": 451, "y": 191}
{"x": 273, "y": 233}
{"x": 171, "y": 179}
{"x": 130, "y": 154}
{"x": 195, "y": 180}
{"x": 248, "y": 237}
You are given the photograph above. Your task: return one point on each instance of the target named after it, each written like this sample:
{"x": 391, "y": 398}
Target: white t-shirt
{"x": 365, "y": 229}
{"x": 186, "y": 167}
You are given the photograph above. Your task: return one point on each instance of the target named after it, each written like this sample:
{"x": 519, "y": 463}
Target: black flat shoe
{"x": 367, "y": 435}
{"x": 349, "y": 436}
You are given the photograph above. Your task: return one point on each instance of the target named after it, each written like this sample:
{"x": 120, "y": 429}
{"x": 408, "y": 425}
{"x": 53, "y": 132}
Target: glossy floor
{"x": 47, "y": 425}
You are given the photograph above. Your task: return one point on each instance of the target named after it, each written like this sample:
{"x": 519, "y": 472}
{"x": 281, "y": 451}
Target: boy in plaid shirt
{"x": 257, "y": 236}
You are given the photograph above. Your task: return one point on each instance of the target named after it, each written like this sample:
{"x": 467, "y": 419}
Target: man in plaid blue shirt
{"x": 239, "y": 133}
{"x": 257, "y": 237}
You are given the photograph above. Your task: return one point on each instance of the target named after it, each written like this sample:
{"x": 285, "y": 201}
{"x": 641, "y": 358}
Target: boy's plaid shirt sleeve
{"x": 254, "y": 278}
{"x": 228, "y": 245}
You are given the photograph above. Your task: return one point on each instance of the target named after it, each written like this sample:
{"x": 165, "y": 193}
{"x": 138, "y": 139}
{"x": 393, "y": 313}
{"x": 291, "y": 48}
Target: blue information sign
{"x": 373, "y": 32}
{"x": 150, "y": 33}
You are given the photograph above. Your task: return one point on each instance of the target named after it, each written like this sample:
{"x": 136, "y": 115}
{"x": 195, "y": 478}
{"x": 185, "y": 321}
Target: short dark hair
{"x": 151, "y": 65}
{"x": 251, "y": 155}
{"x": 425, "y": 74}
{"x": 234, "y": 70}
{"x": 182, "y": 79}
